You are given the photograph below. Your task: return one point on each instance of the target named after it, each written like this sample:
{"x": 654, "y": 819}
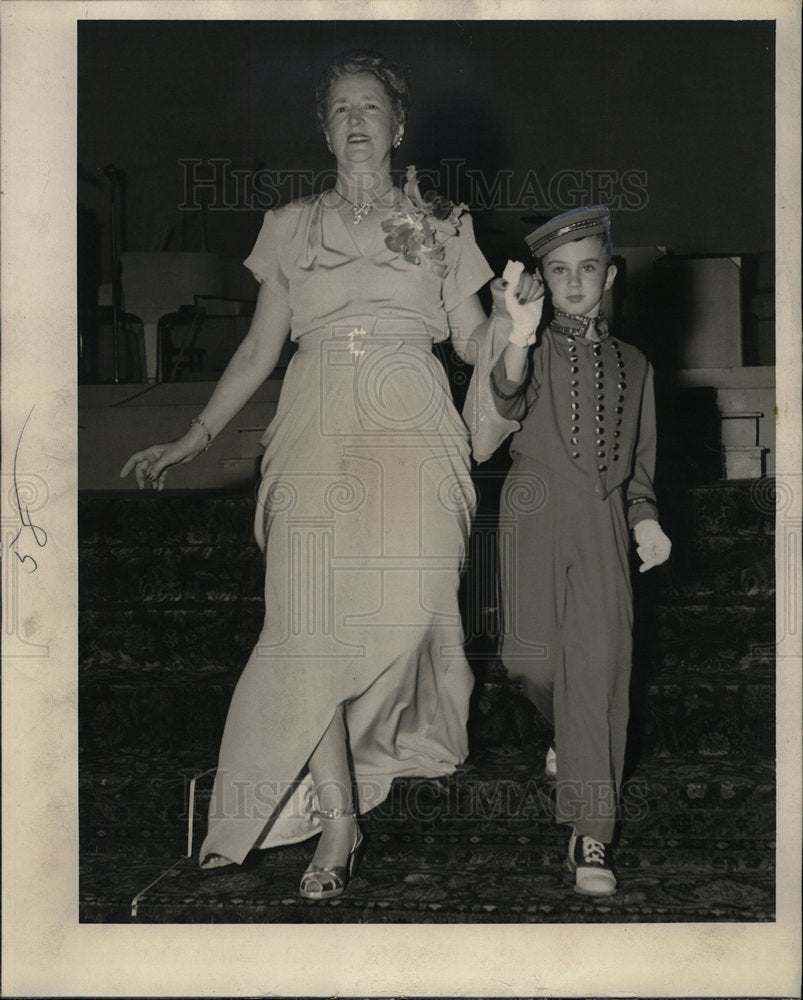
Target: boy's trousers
{"x": 567, "y": 630}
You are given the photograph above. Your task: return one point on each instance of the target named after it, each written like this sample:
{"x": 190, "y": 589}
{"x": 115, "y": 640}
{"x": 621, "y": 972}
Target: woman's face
{"x": 360, "y": 123}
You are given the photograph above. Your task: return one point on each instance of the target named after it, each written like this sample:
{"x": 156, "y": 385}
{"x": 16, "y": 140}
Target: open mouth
{"x": 357, "y": 137}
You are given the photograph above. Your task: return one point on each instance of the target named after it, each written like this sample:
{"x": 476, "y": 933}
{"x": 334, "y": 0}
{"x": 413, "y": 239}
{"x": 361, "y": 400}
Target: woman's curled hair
{"x": 392, "y": 77}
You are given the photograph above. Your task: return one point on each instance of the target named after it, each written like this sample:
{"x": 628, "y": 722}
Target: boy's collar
{"x": 581, "y": 326}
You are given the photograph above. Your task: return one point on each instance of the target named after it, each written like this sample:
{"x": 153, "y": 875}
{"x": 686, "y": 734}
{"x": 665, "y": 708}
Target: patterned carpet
{"x": 697, "y": 840}
{"x": 480, "y": 846}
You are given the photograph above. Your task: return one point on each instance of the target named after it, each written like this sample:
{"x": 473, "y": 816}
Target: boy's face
{"x": 577, "y": 274}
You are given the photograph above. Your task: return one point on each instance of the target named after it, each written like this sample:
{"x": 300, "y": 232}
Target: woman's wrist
{"x": 200, "y": 431}
{"x": 515, "y": 361}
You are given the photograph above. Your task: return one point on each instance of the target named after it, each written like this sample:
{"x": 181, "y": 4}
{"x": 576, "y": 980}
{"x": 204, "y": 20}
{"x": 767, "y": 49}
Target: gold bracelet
{"x": 204, "y": 428}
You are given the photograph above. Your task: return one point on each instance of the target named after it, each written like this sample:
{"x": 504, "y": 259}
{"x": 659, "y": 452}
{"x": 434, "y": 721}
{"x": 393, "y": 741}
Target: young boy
{"x": 584, "y": 458}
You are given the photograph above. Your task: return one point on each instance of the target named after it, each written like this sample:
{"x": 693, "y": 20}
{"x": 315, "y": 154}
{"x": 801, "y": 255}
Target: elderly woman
{"x": 365, "y": 500}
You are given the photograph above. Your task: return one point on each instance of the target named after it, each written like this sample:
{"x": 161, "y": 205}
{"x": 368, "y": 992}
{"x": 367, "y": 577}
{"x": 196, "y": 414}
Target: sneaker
{"x": 592, "y": 864}
{"x": 551, "y": 763}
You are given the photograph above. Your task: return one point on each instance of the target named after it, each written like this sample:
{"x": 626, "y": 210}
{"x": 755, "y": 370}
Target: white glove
{"x": 525, "y": 315}
{"x": 653, "y": 547}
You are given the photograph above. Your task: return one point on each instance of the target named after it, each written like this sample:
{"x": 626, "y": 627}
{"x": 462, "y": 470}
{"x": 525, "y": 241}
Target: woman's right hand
{"x": 151, "y": 465}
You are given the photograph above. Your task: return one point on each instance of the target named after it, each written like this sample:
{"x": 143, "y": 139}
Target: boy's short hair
{"x": 569, "y": 227}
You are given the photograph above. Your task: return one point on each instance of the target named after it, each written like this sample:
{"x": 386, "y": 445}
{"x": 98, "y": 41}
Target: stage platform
{"x": 114, "y": 420}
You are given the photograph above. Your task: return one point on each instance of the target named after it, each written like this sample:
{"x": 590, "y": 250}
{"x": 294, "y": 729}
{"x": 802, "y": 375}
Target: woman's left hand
{"x": 528, "y": 288}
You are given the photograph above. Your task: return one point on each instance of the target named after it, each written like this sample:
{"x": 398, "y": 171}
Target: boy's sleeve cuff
{"x": 641, "y": 509}
{"x": 501, "y": 385}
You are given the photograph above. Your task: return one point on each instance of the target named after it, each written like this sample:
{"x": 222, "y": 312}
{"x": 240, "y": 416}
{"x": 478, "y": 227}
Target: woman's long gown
{"x": 363, "y": 514}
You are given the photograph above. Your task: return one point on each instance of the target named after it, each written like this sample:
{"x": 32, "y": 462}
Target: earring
{"x": 398, "y": 139}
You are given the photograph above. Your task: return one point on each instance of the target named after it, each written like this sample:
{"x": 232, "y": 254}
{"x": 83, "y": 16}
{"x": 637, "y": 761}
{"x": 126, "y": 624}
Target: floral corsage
{"x": 421, "y": 225}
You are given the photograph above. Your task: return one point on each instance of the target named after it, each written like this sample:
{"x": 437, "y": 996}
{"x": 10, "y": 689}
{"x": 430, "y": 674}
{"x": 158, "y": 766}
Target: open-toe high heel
{"x": 329, "y": 881}
{"x": 212, "y": 861}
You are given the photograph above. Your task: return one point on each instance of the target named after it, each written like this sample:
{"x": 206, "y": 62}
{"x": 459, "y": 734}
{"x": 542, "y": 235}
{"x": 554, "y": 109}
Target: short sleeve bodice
{"x": 329, "y": 272}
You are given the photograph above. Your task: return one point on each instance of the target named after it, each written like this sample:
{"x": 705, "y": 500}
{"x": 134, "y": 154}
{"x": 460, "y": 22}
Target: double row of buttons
{"x": 599, "y": 405}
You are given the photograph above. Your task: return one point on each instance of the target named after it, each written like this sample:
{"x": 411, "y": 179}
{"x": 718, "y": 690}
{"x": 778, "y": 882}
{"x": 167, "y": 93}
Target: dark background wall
{"x": 671, "y": 123}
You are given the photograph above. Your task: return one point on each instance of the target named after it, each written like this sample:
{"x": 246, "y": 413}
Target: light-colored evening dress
{"x": 363, "y": 515}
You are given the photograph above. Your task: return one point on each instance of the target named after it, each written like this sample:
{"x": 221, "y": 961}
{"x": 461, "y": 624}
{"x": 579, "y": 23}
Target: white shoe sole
{"x": 603, "y": 892}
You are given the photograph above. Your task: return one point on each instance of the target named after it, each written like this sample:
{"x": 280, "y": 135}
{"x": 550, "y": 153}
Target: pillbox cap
{"x": 568, "y": 226}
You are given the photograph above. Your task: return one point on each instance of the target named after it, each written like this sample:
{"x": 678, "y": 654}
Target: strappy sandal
{"x": 212, "y": 861}
{"x": 330, "y": 880}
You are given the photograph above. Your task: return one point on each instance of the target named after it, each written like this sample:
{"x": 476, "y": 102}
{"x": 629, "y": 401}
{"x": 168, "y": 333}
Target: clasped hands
{"x": 524, "y": 301}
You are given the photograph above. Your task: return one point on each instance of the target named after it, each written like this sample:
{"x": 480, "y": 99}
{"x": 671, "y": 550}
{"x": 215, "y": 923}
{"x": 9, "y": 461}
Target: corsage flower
{"x": 421, "y": 225}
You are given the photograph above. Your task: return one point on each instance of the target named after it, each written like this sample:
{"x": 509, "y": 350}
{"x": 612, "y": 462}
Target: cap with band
{"x": 573, "y": 225}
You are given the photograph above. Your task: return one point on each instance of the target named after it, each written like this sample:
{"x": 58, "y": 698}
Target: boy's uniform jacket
{"x": 585, "y": 411}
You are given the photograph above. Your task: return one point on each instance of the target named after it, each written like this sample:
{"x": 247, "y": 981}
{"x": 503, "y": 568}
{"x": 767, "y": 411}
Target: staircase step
{"x": 494, "y": 883}
{"x": 696, "y": 615}
{"x": 690, "y": 638}
{"x": 697, "y": 843}
{"x": 161, "y": 639}
{"x": 711, "y": 715}
{"x": 716, "y": 568}
{"x": 708, "y": 716}
{"x": 666, "y": 796}
{"x": 210, "y": 571}
{"x": 137, "y": 796}
{"x": 177, "y": 517}
{"x": 171, "y": 605}
{"x": 722, "y": 508}
{"x": 157, "y": 714}
{"x": 679, "y": 641}
{"x": 186, "y": 548}
{"x": 686, "y": 642}
{"x": 733, "y": 509}
{"x": 187, "y": 575}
